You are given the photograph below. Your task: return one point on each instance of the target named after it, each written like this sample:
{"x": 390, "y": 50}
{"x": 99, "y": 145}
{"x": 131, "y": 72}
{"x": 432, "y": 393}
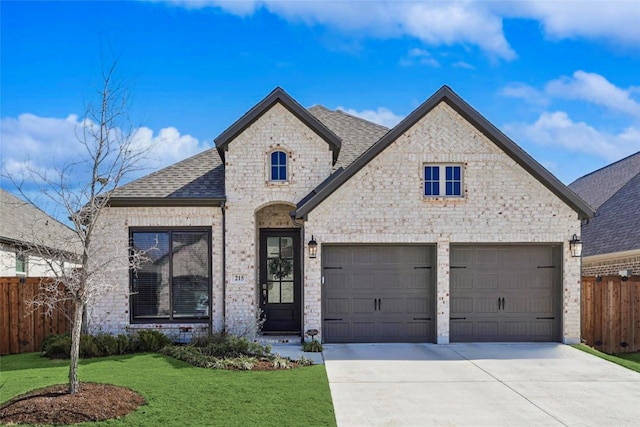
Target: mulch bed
{"x": 53, "y": 405}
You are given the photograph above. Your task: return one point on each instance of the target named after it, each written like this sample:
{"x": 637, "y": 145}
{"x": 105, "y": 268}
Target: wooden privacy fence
{"x": 22, "y": 331}
{"x": 610, "y": 313}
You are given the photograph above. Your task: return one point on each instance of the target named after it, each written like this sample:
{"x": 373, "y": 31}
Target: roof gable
{"x": 445, "y": 94}
{"x": 278, "y": 96}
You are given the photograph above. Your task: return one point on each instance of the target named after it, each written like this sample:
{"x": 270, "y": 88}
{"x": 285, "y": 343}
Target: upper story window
{"x": 278, "y": 166}
{"x": 443, "y": 180}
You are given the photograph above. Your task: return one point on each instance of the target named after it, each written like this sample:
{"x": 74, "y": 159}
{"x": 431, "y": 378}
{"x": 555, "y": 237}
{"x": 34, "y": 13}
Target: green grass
{"x": 628, "y": 360}
{"x": 178, "y": 394}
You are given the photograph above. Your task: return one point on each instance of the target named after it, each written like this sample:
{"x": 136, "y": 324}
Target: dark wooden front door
{"x": 280, "y": 280}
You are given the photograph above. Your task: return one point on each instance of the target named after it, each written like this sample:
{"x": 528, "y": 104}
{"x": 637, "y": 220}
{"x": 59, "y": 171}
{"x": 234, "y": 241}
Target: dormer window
{"x": 278, "y": 166}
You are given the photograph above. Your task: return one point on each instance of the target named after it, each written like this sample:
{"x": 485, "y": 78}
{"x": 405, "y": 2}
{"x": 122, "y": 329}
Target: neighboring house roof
{"x": 23, "y": 224}
{"x": 197, "y": 180}
{"x": 357, "y": 134}
{"x": 278, "y": 96}
{"x": 598, "y": 186}
{"x": 445, "y": 94}
{"x": 616, "y": 226}
{"x": 615, "y": 191}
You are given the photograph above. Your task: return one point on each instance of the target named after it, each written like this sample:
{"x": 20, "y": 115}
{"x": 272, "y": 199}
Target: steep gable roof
{"x": 198, "y": 180}
{"x": 598, "y": 186}
{"x": 445, "y": 94}
{"x": 278, "y": 96}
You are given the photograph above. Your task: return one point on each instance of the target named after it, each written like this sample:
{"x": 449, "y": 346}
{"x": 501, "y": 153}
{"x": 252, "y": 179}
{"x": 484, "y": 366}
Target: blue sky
{"x": 562, "y": 79}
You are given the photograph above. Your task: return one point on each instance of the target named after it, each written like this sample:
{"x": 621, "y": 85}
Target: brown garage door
{"x": 505, "y": 293}
{"x": 378, "y": 293}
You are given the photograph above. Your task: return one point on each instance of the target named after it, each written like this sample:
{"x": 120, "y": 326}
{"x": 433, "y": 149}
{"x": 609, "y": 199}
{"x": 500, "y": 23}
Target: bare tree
{"x": 82, "y": 188}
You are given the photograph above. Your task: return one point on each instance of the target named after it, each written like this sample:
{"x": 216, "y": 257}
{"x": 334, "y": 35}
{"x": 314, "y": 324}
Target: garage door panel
{"x": 384, "y": 298}
{"x": 514, "y": 280}
{"x": 362, "y": 305}
{"x": 486, "y": 305}
{"x": 524, "y": 304}
{"x": 485, "y": 281}
{"x": 337, "y": 306}
{"x": 417, "y": 306}
{"x": 461, "y": 305}
{"x": 461, "y": 281}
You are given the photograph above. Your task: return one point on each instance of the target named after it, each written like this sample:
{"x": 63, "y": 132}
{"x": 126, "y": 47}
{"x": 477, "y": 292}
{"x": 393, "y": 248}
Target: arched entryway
{"x": 279, "y": 269}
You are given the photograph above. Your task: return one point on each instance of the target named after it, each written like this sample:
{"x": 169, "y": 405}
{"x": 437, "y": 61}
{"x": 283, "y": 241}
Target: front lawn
{"x": 178, "y": 394}
{"x": 628, "y": 360}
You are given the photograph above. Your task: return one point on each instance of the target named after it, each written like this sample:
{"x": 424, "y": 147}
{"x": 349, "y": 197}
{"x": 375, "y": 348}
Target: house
{"x": 612, "y": 237}
{"x": 441, "y": 229}
{"x": 32, "y": 243}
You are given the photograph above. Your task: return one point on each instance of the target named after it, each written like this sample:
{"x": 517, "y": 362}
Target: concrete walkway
{"x": 478, "y": 385}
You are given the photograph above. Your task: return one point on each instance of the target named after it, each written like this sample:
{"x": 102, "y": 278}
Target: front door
{"x": 280, "y": 280}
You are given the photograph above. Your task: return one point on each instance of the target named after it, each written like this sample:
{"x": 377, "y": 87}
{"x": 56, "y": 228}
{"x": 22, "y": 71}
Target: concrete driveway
{"x": 478, "y": 385}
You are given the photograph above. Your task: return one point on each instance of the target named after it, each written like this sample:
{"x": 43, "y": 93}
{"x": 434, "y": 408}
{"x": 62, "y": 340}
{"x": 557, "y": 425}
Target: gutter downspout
{"x": 302, "y": 240}
{"x": 224, "y": 271}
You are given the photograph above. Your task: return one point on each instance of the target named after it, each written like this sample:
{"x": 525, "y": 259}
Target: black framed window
{"x": 173, "y": 282}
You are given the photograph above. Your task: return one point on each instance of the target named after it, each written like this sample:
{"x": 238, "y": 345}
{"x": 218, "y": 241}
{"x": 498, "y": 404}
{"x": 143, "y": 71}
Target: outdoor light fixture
{"x": 313, "y": 247}
{"x": 575, "y": 246}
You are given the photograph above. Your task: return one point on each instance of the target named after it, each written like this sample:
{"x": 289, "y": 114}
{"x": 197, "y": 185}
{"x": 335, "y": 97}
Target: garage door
{"x": 382, "y": 293}
{"x": 505, "y": 293}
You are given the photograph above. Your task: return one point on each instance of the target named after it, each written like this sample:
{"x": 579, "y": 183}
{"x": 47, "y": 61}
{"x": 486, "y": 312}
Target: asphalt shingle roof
{"x": 23, "y": 223}
{"x": 202, "y": 176}
{"x": 598, "y": 186}
{"x": 357, "y": 134}
{"x": 616, "y": 226}
{"x": 615, "y": 193}
{"x": 199, "y": 176}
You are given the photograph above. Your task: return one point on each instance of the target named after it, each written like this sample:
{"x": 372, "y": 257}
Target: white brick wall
{"x": 110, "y": 312}
{"x": 253, "y": 202}
{"x": 383, "y": 203}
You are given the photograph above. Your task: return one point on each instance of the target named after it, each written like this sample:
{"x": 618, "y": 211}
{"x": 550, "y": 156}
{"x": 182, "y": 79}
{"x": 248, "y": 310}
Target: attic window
{"x": 278, "y": 166}
{"x": 442, "y": 180}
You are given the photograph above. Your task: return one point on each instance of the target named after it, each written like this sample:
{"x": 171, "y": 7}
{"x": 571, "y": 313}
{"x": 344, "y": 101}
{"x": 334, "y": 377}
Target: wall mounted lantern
{"x": 575, "y": 246}
{"x": 313, "y": 247}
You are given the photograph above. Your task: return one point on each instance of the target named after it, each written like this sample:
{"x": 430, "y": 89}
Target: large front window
{"x": 172, "y": 282}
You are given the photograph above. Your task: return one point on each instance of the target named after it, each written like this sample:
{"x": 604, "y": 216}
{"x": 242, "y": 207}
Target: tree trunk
{"x": 75, "y": 347}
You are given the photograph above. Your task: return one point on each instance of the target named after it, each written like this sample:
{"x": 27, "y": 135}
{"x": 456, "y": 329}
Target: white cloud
{"x": 382, "y": 116}
{"x": 419, "y": 56}
{"x": 462, "y": 64}
{"x": 434, "y": 23}
{"x": 612, "y": 20}
{"x": 558, "y": 131}
{"x": 528, "y": 93}
{"x": 595, "y": 89}
{"x": 438, "y": 23}
{"x": 47, "y": 144}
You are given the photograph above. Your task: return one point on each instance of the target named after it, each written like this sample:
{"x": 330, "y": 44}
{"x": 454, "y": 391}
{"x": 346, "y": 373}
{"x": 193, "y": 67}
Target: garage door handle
{"x": 417, "y": 268}
{"x": 545, "y": 318}
{"x": 422, "y": 318}
{"x": 457, "y": 318}
{"x": 333, "y": 268}
{"x": 457, "y": 266}
{"x": 331, "y": 320}
{"x": 546, "y": 266}
{"x": 503, "y": 303}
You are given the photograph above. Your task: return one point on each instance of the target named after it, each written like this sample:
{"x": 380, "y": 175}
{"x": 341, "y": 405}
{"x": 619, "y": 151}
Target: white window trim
{"x": 442, "y": 180}
{"x": 268, "y": 177}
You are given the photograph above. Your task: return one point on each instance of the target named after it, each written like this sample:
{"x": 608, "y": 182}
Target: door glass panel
{"x": 287, "y": 292}
{"x": 273, "y": 292}
{"x": 287, "y": 247}
{"x": 273, "y": 247}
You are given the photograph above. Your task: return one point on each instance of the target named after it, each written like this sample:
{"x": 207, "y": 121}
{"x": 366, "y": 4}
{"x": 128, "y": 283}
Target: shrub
{"x": 223, "y": 345}
{"x": 59, "y": 346}
{"x": 313, "y": 346}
